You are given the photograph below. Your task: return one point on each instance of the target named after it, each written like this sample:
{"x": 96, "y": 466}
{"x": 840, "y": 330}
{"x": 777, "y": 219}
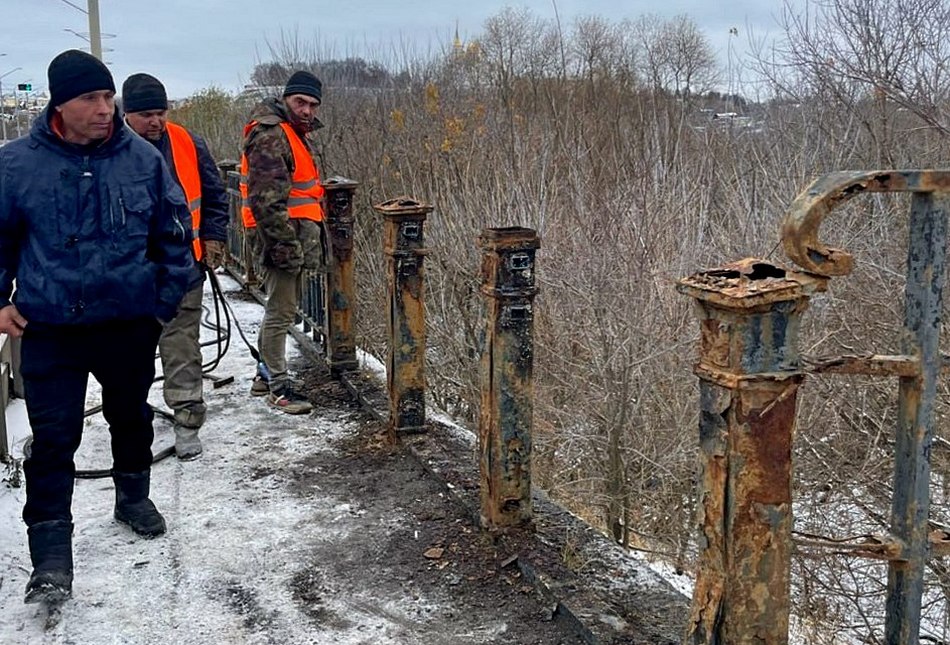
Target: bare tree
{"x": 593, "y": 137}
{"x": 876, "y": 58}
{"x": 677, "y": 56}
{"x": 595, "y": 48}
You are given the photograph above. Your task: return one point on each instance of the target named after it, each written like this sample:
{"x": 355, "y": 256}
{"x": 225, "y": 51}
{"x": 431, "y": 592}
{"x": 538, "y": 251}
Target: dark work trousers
{"x": 56, "y": 362}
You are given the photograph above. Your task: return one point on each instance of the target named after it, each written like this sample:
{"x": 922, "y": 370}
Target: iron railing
{"x": 750, "y": 371}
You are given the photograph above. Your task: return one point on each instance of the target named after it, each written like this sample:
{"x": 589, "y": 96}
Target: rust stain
{"x": 714, "y": 342}
{"x": 505, "y": 420}
{"x": 341, "y": 282}
{"x": 806, "y": 214}
{"x": 867, "y": 364}
{"x": 764, "y": 438}
{"x": 749, "y": 284}
{"x": 403, "y": 245}
{"x": 711, "y": 580}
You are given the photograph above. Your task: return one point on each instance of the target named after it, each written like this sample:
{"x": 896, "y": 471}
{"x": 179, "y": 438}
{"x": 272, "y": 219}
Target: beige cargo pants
{"x": 181, "y": 362}
{"x": 283, "y": 292}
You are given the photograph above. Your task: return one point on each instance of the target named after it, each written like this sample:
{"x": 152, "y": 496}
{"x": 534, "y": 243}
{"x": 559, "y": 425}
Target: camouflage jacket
{"x": 282, "y": 242}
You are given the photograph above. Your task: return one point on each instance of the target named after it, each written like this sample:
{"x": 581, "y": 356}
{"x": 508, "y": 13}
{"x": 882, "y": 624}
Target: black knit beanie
{"x": 142, "y": 92}
{"x": 75, "y": 72}
{"x": 303, "y": 82}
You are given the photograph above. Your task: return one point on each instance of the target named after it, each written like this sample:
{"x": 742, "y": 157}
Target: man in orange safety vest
{"x": 146, "y": 111}
{"x": 283, "y": 204}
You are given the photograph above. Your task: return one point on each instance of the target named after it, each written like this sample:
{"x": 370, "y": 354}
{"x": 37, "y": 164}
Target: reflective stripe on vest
{"x": 303, "y": 202}
{"x": 185, "y": 157}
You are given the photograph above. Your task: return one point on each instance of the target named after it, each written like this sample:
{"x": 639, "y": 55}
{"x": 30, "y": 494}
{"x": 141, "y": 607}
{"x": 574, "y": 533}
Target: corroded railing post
{"x": 404, "y": 247}
{"x": 911, "y": 541}
{"x": 507, "y": 396}
{"x": 749, "y": 377}
{"x": 341, "y": 284}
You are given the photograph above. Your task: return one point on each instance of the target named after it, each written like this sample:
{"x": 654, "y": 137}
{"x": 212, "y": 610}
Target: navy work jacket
{"x": 91, "y": 233}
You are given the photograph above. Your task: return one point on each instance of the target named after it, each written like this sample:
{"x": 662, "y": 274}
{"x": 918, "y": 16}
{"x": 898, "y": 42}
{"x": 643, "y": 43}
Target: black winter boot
{"x": 51, "y": 550}
{"x": 133, "y": 507}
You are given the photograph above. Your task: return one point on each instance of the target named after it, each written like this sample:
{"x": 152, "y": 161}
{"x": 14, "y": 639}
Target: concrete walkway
{"x": 287, "y": 530}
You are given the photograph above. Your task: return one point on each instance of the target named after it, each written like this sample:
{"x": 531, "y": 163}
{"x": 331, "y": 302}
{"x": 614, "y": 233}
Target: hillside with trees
{"x": 602, "y": 137}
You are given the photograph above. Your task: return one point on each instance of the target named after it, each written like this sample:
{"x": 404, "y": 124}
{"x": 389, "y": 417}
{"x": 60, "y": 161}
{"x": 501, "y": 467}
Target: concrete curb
{"x": 606, "y": 595}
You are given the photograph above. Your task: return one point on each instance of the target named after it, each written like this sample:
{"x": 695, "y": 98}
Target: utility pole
{"x": 95, "y": 36}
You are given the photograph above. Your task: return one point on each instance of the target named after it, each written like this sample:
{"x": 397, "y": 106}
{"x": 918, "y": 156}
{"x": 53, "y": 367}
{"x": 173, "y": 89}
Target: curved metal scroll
{"x": 805, "y": 216}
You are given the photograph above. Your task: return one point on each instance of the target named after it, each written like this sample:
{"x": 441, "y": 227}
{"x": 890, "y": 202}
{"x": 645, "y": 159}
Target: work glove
{"x": 287, "y": 256}
{"x": 212, "y": 253}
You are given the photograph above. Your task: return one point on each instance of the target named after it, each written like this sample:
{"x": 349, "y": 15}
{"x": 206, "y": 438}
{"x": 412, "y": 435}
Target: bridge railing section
{"x": 326, "y": 308}
{"x": 10, "y": 386}
{"x": 750, "y": 371}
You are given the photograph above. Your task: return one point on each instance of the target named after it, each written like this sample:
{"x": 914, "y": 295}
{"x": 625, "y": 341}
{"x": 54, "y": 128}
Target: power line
{"x": 95, "y": 36}
{"x": 77, "y": 7}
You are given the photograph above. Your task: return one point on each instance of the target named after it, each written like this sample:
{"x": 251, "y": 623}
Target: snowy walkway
{"x": 253, "y": 526}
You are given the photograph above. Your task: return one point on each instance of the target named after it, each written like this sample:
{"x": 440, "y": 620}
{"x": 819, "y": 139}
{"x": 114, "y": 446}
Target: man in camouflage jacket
{"x": 286, "y": 242}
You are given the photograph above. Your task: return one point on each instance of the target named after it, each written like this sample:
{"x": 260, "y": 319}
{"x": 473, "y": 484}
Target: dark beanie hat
{"x": 75, "y": 72}
{"x": 142, "y": 92}
{"x": 303, "y": 82}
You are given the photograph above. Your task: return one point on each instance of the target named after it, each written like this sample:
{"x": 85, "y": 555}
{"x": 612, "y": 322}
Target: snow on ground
{"x": 236, "y": 538}
{"x": 235, "y": 535}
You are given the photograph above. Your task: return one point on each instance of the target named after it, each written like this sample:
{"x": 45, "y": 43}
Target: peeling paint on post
{"x": 403, "y": 245}
{"x": 920, "y": 364}
{"x": 341, "y": 289}
{"x": 749, "y": 373}
{"x": 507, "y": 389}
{"x": 910, "y": 507}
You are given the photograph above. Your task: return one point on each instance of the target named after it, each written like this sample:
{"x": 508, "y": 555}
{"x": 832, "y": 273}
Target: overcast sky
{"x": 193, "y": 44}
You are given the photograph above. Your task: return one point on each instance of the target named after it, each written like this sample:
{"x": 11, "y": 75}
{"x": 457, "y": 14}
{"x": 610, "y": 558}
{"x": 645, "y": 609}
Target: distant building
{"x": 24, "y": 101}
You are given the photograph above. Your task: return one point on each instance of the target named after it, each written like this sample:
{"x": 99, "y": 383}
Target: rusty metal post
{"x": 507, "y": 389}
{"x": 749, "y": 378}
{"x": 918, "y": 367}
{"x": 226, "y": 168}
{"x": 341, "y": 284}
{"x": 910, "y": 506}
{"x": 404, "y": 248}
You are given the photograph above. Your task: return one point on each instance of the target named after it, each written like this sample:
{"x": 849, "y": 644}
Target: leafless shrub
{"x": 591, "y": 133}
{"x": 217, "y": 117}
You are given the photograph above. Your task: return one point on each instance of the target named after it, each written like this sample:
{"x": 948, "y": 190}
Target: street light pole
{"x": 3, "y": 120}
{"x": 16, "y": 110}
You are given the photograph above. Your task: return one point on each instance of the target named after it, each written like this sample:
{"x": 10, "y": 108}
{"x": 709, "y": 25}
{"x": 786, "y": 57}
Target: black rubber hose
{"x": 222, "y": 340}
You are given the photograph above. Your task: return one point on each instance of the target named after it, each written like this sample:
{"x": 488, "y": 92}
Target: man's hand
{"x": 287, "y": 255}
{"x": 11, "y": 322}
{"x": 212, "y": 253}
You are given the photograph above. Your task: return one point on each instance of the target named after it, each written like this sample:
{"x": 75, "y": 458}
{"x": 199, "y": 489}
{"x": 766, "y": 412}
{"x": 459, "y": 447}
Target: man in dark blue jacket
{"x": 94, "y": 230}
{"x": 146, "y": 111}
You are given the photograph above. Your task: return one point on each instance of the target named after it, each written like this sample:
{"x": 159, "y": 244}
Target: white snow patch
{"x": 371, "y": 364}
{"x": 236, "y": 536}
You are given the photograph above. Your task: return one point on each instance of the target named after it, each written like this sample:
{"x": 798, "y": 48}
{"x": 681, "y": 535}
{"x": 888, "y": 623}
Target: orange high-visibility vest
{"x": 303, "y": 202}
{"x": 185, "y": 157}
